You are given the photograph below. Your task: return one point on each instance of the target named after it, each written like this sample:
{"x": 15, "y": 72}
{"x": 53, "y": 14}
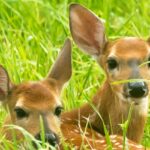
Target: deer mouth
{"x": 51, "y": 138}
{"x": 134, "y": 100}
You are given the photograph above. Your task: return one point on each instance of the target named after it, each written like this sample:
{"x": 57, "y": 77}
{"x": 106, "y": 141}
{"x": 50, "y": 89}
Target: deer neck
{"x": 112, "y": 111}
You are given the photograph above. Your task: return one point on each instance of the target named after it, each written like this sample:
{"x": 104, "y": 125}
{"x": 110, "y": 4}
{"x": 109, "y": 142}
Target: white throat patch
{"x": 141, "y": 104}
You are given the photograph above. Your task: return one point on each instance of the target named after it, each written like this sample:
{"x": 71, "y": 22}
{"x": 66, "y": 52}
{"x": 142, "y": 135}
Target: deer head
{"x": 121, "y": 59}
{"x": 28, "y": 101}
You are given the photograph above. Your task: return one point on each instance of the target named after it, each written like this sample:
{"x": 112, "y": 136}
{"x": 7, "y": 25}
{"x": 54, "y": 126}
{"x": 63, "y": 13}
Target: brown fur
{"x": 33, "y": 95}
{"x": 82, "y": 138}
{"x": 37, "y": 99}
{"x": 112, "y": 107}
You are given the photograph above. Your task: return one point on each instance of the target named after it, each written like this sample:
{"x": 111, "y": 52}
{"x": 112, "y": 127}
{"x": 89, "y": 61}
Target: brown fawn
{"x": 28, "y": 101}
{"x": 121, "y": 59}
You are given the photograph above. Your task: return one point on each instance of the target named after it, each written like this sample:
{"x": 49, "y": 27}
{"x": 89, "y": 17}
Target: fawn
{"x": 121, "y": 59}
{"x": 28, "y": 101}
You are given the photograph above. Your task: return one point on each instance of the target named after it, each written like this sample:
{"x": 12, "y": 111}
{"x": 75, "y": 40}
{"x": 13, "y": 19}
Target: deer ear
{"x": 4, "y": 84}
{"x": 62, "y": 68}
{"x": 87, "y": 29}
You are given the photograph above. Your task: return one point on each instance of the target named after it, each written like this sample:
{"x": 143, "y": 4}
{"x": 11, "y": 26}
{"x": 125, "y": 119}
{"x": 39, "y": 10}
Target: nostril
{"x": 51, "y": 138}
{"x": 137, "y": 89}
{"x": 138, "y": 92}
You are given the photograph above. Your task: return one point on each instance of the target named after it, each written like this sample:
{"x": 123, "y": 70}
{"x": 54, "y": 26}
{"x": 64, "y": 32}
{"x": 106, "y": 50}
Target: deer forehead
{"x": 128, "y": 48}
{"x": 37, "y": 96}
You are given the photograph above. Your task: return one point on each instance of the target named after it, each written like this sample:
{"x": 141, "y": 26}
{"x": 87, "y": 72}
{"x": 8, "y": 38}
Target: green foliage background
{"x": 33, "y": 31}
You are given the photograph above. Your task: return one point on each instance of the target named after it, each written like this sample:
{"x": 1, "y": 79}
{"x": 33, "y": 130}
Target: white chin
{"x": 140, "y": 104}
{"x": 136, "y": 101}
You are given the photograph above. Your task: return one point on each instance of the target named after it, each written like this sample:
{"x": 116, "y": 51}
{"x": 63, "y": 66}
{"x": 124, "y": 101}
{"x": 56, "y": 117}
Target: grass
{"x": 33, "y": 31}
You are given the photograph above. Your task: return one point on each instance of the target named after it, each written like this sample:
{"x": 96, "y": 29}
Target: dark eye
{"x": 148, "y": 63}
{"x": 112, "y": 64}
{"x": 58, "y": 110}
{"x": 20, "y": 113}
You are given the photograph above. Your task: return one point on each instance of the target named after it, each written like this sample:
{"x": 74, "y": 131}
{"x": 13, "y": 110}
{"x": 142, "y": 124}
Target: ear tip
{"x": 67, "y": 44}
{"x": 68, "y": 41}
{"x": 73, "y": 5}
{"x": 2, "y": 68}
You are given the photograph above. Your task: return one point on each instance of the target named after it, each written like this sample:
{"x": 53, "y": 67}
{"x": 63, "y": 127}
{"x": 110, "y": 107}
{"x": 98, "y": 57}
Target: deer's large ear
{"x": 5, "y": 84}
{"x": 87, "y": 30}
{"x": 62, "y": 68}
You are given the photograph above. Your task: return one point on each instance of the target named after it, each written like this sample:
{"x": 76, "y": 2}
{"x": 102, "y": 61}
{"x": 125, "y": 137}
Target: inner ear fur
{"x": 87, "y": 29}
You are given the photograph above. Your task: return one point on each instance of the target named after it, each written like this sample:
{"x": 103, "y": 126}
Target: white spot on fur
{"x": 102, "y": 141}
{"x": 77, "y": 131}
{"x": 68, "y": 119}
{"x": 99, "y": 141}
{"x": 120, "y": 146}
{"x": 139, "y": 146}
{"x": 117, "y": 143}
{"x": 72, "y": 139}
{"x": 131, "y": 144}
{"x": 136, "y": 145}
{"x": 114, "y": 141}
{"x": 105, "y": 145}
{"x": 99, "y": 135}
{"x": 113, "y": 136}
{"x": 76, "y": 147}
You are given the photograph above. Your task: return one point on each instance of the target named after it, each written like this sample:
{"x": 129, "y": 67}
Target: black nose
{"x": 51, "y": 138}
{"x": 137, "y": 89}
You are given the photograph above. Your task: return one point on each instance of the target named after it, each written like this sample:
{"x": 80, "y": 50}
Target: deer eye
{"x": 58, "y": 111}
{"x": 148, "y": 63}
{"x": 20, "y": 113}
{"x": 112, "y": 64}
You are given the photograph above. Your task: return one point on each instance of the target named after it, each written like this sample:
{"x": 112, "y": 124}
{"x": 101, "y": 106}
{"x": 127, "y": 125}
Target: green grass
{"x": 33, "y": 31}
